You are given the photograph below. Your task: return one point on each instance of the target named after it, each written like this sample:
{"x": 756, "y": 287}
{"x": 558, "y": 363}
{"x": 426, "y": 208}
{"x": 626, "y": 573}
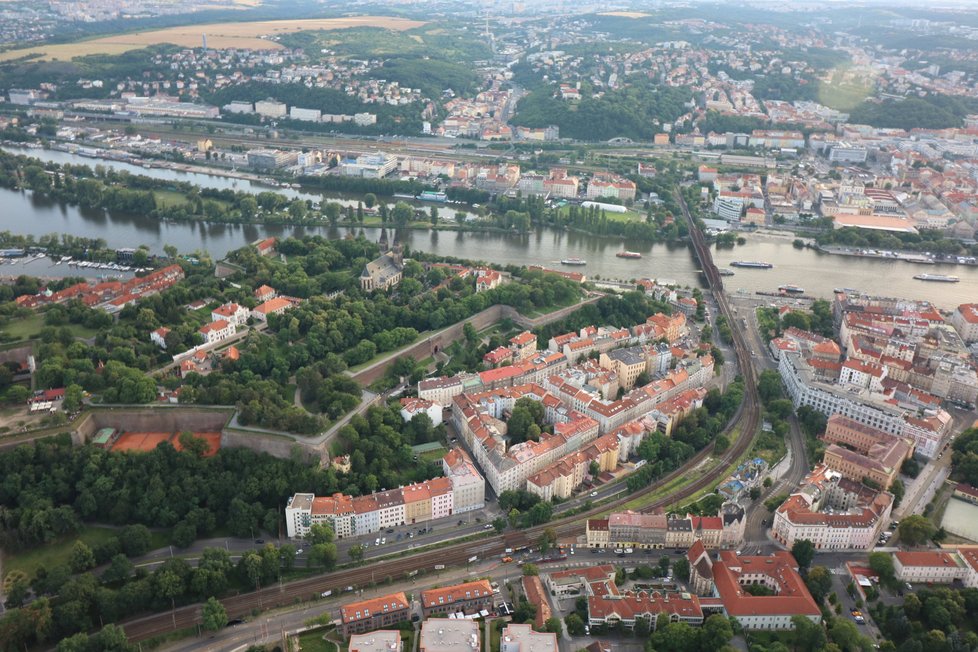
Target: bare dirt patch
{"x": 246, "y": 35}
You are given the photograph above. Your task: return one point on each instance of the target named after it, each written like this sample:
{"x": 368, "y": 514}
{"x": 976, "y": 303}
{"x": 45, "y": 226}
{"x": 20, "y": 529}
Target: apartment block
{"x": 833, "y": 512}
{"x": 860, "y": 452}
{"x": 468, "y": 598}
{"x": 375, "y": 613}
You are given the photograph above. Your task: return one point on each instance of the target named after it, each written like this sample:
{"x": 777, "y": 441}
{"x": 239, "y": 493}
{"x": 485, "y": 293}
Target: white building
{"x": 410, "y": 407}
{"x": 930, "y": 566}
{"x": 449, "y": 635}
{"x": 468, "y": 485}
{"x": 927, "y": 431}
{"x": 231, "y": 313}
{"x": 158, "y": 337}
{"x": 965, "y": 321}
{"x": 307, "y": 115}
{"x": 239, "y": 107}
{"x": 522, "y": 638}
{"x": 216, "y": 331}
{"x": 271, "y": 108}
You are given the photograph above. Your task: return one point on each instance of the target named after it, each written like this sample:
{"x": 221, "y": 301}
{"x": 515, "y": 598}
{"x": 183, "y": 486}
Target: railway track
{"x": 422, "y": 564}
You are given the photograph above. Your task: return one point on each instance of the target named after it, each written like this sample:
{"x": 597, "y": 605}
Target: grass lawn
{"x": 169, "y": 198}
{"x": 495, "y": 634}
{"x": 546, "y": 310}
{"x": 628, "y": 216}
{"x": 313, "y": 641}
{"x": 54, "y": 554}
{"x": 29, "y": 327}
{"x": 26, "y": 327}
{"x": 433, "y": 456}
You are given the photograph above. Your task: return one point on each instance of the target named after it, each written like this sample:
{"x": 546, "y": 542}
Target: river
{"x": 817, "y": 272}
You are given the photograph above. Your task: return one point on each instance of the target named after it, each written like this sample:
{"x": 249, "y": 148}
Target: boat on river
{"x": 937, "y": 278}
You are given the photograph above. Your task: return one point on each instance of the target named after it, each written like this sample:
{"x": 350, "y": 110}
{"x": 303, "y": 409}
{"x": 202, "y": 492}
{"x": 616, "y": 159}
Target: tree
{"x": 213, "y": 615}
{"x": 356, "y": 553}
{"x": 716, "y": 632}
{"x": 16, "y": 586}
{"x": 530, "y": 570}
{"x": 807, "y": 636}
{"x": 119, "y": 570}
{"x": 574, "y": 624}
{"x": 323, "y": 555}
{"x": 553, "y": 626}
{"x": 680, "y": 569}
{"x": 73, "y": 398}
{"x": 676, "y": 637}
{"x": 819, "y": 582}
{"x": 81, "y": 558}
{"x": 136, "y": 540}
{"x": 594, "y": 468}
{"x": 369, "y": 200}
{"x": 184, "y": 534}
{"x": 402, "y": 213}
{"x": 915, "y": 530}
{"x": 882, "y": 565}
{"x": 499, "y": 523}
{"x": 433, "y": 215}
{"x": 320, "y": 533}
{"x": 804, "y": 552}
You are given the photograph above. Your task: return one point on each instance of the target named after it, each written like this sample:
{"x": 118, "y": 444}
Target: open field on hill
{"x": 219, "y": 35}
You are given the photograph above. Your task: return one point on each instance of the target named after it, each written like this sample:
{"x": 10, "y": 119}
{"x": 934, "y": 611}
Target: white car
{"x": 377, "y": 541}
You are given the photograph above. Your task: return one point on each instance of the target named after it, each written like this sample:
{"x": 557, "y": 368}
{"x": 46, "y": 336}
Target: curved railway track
{"x": 422, "y": 563}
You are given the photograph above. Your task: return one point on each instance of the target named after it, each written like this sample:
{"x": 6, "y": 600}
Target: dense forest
{"x": 630, "y": 111}
{"x": 931, "y": 112}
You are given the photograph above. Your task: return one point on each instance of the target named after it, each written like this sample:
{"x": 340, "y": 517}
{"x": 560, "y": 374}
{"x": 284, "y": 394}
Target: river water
{"x": 816, "y": 272}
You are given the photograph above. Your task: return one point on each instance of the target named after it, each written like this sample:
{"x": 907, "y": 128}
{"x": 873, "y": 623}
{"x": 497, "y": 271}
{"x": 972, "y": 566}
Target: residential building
{"x": 929, "y": 566}
{"x": 271, "y": 307}
{"x": 608, "y": 186}
{"x": 216, "y": 331}
{"x": 384, "y": 640}
{"x": 264, "y": 293}
{"x": 470, "y": 597}
{"x": 440, "y": 390}
{"x": 833, "y": 512}
{"x": 965, "y": 322}
{"x": 411, "y": 407}
{"x": 468, "y": 486}
{"x": 860, "y": 452}
{"x": 578, "y": 581}
{"x": 804, "y": 387}
{"x": 376, "y": 165}
{"x": 375, "y": 613}
{"x": 232, "y": 313}
{"x": 523, "y": 345}
{"x": 158, "y": 337}
{"x": 630, "y": 529}
{"x": 522, "y": 638}
{"x": 537, "y": 596}
{"x": 655, "y": 609}
{"x": 449, "y": 635}
{"x": 271, "y": 108}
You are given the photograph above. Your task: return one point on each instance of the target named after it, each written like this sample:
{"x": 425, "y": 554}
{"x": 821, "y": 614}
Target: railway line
{"x": 423, "y": 563}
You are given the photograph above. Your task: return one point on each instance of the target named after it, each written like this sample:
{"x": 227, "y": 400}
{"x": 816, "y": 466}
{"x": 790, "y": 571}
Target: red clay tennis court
{"x": 147, "y": 441}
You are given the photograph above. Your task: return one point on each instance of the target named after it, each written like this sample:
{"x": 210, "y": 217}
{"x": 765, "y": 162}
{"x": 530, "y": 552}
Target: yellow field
{"x": 625, "y": 14}
{"x": 219, "y": 35}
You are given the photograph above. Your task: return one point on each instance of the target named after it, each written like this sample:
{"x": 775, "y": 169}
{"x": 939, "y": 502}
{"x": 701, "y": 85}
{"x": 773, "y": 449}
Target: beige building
{"x": 861, "y": 452}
